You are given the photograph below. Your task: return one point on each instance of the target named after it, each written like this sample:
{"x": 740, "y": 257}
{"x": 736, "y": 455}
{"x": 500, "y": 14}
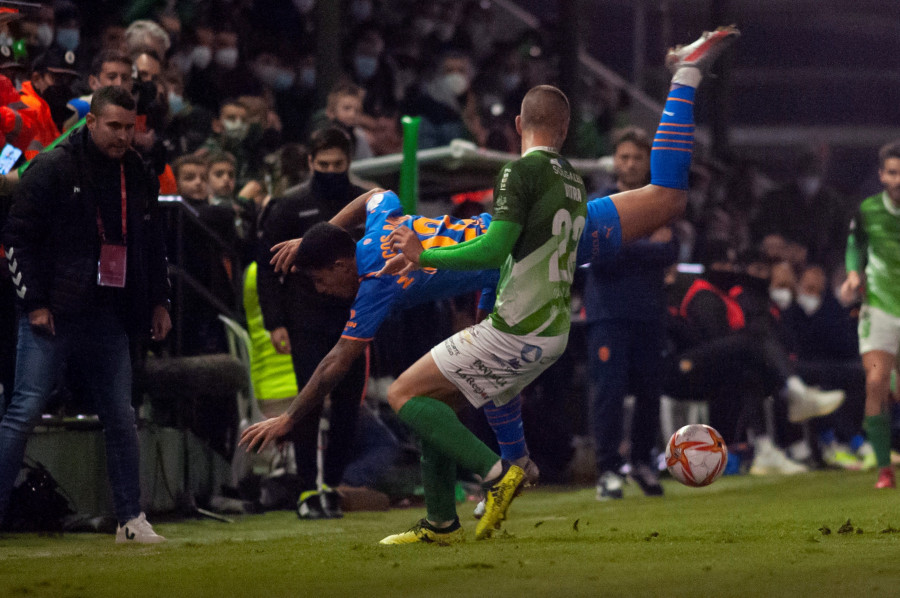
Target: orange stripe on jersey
{"x": 680, "y": 100}
{"x": 674, "y": 149}
{"x": 353, "y": 338}
{"x": 674, "y": 125}
{"x": 438, "y": 241}
{"x": 674, "y": 133}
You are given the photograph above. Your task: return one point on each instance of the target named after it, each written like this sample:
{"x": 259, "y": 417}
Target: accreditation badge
{"x": 112, "y": 265}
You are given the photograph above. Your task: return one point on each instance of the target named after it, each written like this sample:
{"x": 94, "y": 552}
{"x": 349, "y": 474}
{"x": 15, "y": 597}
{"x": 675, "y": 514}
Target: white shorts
{"x": 878, "y": 331}
{"x": 488, "y": 365}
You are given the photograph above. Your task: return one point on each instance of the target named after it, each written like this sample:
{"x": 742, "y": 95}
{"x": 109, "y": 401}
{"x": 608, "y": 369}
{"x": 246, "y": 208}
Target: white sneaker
{"x": 771, "y": 460}
{"x": 137, "y": 531}
{"x": 703, "y": 52}
{"x": 609, "y": 486}
{"x": 812, "y": 402}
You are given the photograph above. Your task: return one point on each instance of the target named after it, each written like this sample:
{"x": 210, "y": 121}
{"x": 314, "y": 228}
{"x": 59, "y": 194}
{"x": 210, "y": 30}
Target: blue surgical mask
{"x": 360, "y": 10}
{"x": 284, "y": 79}
{"x": 176, "y": 103}
{"x": 68, "y": 38}
{"x": 308, "y": 77}
{"x": 365, "y": 66}
{"x": 44, "y": 34}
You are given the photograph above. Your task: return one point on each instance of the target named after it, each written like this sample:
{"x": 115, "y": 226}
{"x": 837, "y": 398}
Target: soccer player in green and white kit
{"x": 873, "y": 264}
{"x": 540, "y": 211}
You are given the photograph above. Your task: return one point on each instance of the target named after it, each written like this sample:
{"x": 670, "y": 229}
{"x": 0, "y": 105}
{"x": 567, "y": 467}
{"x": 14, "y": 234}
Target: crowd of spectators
{"x": 229, "y": 98}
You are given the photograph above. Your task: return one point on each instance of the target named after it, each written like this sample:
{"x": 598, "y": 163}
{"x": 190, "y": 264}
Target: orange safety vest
{"x": 45, "y": 130}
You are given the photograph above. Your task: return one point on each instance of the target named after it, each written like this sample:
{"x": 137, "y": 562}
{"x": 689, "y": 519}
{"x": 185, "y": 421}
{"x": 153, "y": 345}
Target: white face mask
{"x": 304, "y": 6}
{"x": 810, "y": 304}
{"x": 227, "y": 57}
{"x": 201, "y": 56}
{"x": 44, "y": 34}
{"x": 456, "y": 83}
{"x": 235, "y": 129}
{"x": 781, "y": 297}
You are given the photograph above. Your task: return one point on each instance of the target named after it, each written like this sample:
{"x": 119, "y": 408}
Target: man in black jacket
{"x": 87, "y": 257}
{"x": 306, "y": 324}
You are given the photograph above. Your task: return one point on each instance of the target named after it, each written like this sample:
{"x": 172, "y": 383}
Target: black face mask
{"x": 57, "y": 96}
{"x": 331, "y": 185}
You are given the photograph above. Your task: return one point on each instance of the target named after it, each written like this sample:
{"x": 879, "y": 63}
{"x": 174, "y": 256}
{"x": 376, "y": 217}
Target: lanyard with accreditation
{"x": 113, "y": 256}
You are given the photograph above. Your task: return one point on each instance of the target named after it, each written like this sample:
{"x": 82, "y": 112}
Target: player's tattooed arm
{"x": 328, "y": 374}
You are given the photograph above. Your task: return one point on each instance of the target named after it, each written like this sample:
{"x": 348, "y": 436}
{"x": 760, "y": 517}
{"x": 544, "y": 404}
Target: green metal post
{"x": 409, "y": 170}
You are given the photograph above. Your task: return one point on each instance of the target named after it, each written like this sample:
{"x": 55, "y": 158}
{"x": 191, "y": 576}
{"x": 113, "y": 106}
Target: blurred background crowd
{"x": 232, "y": 95}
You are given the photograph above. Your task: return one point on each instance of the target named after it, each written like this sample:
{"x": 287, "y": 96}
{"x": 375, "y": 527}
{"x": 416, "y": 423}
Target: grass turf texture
{"x": 742, "y": 536}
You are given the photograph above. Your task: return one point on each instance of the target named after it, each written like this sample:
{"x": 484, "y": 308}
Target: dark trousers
{"x": 624, "y": 357}
{"x": 308, "y": 347}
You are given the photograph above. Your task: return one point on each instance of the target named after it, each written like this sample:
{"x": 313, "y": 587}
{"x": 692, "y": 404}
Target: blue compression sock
{"x": 670, "y": 158}
{"x": 506, "y": 421}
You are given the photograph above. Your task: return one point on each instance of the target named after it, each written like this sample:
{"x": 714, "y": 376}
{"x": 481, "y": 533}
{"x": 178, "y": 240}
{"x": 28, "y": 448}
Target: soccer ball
{"x": 696, "y": 455}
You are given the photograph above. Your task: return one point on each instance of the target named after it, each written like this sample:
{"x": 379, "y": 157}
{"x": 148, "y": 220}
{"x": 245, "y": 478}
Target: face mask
{"x": 360, "y": 10}
{"x": 781, "y": 297}
{"x": 176, "y": 103}
{"x": 455, "y": 83}
{"x": 423, "y": 27}
{"x": 68, "y": 38}
{"x": 266, "y": 73}
{"x": 365, "y": 66}
{"x": 304, "y": 6}
{"x": 510, "y": 81}
{"x": 810, "y": 304}
{"x": 445, "y": 31}
{"x": 44, "y": 34}
{"x": 201, "y": 56}
{"x": 308, "y": 77}
{"x": 335, "y": 185}
{"x": 235, "y": 129}
{"x": 227, "y": 57}
{"x": 284, "y": 79}
{"x": 5, "y": 39}
{"x": 809, "y": 185}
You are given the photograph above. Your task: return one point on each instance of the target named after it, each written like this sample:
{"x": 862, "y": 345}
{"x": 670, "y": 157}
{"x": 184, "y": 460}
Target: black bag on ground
{"x": 37, "y": 504}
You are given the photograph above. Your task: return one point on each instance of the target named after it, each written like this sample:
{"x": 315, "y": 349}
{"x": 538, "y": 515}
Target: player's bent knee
{"x": 397, "y": 396}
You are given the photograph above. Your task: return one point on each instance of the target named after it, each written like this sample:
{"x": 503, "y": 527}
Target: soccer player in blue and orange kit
{"x": 341, "y": 268}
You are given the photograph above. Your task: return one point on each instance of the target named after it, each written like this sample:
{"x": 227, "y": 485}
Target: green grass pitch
{"x": 742, "y": 536}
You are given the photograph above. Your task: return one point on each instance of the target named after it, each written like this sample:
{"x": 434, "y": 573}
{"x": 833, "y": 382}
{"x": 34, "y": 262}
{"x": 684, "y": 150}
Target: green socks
{"x": 438, "y": 426}
{"x": 439, "y": 481}
{"x": 878, "y": 431}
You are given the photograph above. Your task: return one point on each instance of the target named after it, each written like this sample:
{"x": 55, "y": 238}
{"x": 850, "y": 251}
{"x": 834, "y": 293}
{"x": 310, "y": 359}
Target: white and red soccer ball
{"x": 696, "y": 455}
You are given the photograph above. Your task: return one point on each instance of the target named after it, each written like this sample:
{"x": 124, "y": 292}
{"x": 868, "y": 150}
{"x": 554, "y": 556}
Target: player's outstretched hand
{"x": 266, "y": 433}
{"x": 285, "y": 252}
{"x": 399, "y": 264}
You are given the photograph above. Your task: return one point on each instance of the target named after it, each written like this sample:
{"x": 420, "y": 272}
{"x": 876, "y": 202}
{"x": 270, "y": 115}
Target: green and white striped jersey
{"x": 543, "y": 193}
{"x": 874, "y": 245}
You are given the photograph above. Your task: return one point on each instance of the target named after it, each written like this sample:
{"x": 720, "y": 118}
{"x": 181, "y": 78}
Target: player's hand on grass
{"x": 264, "y": 434}
{"x": 285, "y": 253}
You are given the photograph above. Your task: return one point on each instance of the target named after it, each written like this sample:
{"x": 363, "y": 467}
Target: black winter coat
{"x": 51, "y": 235}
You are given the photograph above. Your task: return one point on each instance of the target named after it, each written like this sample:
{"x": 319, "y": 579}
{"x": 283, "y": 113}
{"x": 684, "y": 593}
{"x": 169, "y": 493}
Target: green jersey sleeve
{"x": 485, "y": 252}
{"x": 510, "y": 196}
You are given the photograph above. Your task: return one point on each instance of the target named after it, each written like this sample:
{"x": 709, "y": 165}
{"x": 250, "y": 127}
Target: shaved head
{"x": 546, "y": 108}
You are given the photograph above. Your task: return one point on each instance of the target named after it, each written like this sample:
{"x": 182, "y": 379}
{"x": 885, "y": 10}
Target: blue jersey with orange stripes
{"x": 378, "y": 296}
{"x": 602, "y": 234}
